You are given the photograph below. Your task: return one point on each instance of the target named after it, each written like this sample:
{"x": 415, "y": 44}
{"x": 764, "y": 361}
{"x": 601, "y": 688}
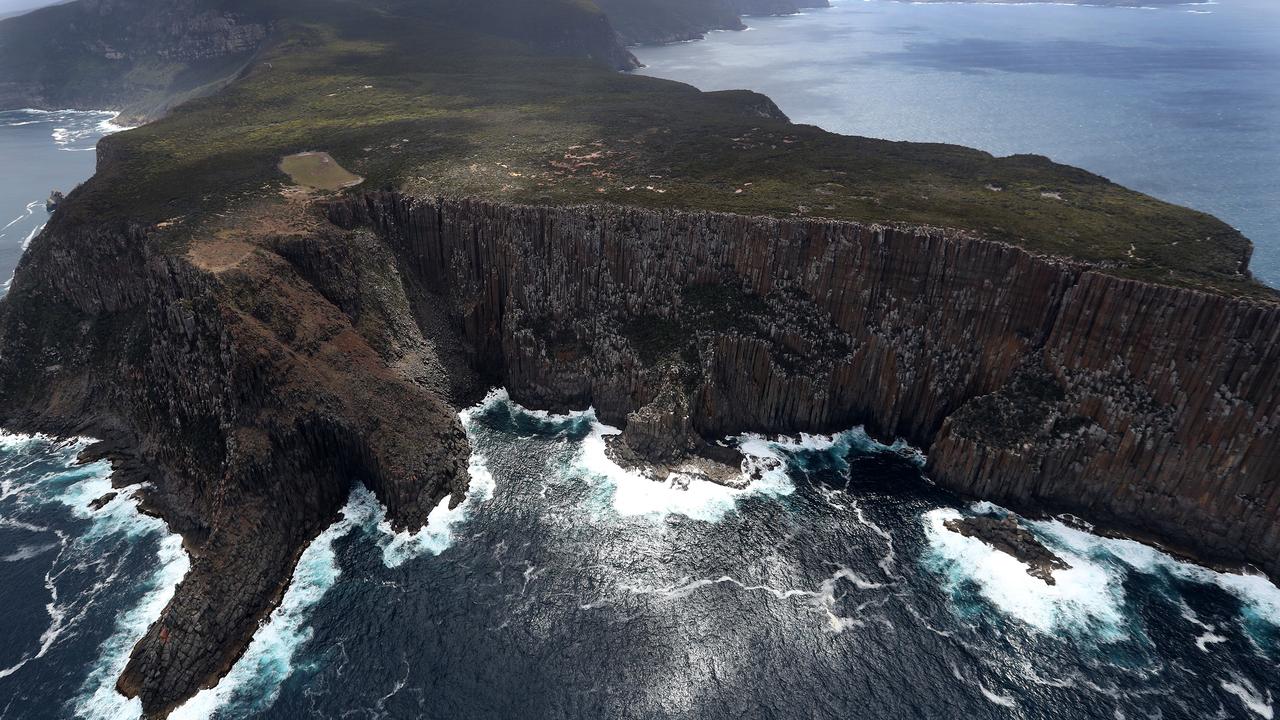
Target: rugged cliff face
{"x": 1027, "y": 379}
{"x": 252, "y": 350}
{"x": 142, "y": 57}
{"x": 257, "y": 369}
{"x": 252, "y": 380}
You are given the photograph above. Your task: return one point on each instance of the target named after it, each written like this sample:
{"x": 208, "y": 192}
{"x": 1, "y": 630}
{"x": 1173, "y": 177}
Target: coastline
{"x": 288, "y": 346}
{"x": 1154, "y": 167}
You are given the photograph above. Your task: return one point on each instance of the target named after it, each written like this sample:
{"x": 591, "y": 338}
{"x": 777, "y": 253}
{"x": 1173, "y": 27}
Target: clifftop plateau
{"x": 692, "y": 264}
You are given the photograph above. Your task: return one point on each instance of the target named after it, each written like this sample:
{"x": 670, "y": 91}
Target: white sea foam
{"x": 632, "y": 493}
{"x": 1257, "y": 703}
{"x": 996, "y": 698}
{"x": 99, "y": 699}
{"x": 254, "y": 682}
{"x": 438, "y": 534}
{"x": 635, "y": 494}
{"x": 76, "y": 129}
{"x": 26, "y": 242}
{"x": 1259, "y": 597}
{"x": 822, "y": 599}
{"x": 1088, "y": 598}
{"x": 26, "y": 552}
{"x": 75, "y": 487}
{"x": 1206, "y": 639}
{"x": 31, "y": 206}
{"x": 15, "y": 442}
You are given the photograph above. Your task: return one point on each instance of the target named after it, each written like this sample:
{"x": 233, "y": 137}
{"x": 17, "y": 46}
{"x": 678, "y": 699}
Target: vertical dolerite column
{"x": 1028, "y": 379}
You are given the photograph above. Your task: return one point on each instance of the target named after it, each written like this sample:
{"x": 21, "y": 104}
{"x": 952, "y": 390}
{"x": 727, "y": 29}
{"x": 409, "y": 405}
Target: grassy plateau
{"x": 440, "y": 97}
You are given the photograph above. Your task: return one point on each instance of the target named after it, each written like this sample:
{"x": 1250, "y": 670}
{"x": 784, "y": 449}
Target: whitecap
{"x": 632, "y": 493}
{"x": 16, "y": 442}
{"x": 1090, "y": 595}
{"x": 1086, "y": 599}
{"x": 26, "y": 243}
{"x": 439, "y": 532}
{"x": 823, "y": 599}
{"x": 254, "y": 681}
{"x": 1208, "y": 638}
{"x": 996, "y": 698}
{"x": 1249, "y": 695}
{"x": 1259, "y": 597}
{"x": 26, "y": 552}
{"x": 99, "y": 699}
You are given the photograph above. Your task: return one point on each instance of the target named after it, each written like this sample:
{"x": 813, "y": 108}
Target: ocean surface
{"x": 1181, "y": 102}
{"x": 565, "y": 587}
{"x": 41, "y": 151}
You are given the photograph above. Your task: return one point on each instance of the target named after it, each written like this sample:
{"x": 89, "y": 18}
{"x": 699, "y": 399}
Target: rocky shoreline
{"x": 255, "y": 377}
{"x": 254, "y": 356}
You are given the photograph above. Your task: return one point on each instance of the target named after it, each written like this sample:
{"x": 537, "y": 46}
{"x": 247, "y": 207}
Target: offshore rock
{"x": 1007, "y": 536}
{"x": 662, "y": 430}
{"x": 102, "y": 501}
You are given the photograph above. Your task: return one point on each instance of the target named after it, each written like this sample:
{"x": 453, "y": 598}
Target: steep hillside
{"x": 690, "y": 263}
{"x": 146, "y": 56}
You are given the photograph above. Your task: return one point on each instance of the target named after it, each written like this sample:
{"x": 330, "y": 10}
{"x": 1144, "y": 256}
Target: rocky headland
{"x": 690, "y": 264}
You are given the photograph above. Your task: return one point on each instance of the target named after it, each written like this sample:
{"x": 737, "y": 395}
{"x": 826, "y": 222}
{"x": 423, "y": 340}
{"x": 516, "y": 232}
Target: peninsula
{"x": 345, "y": 220}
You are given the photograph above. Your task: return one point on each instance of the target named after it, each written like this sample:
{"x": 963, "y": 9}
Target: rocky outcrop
{"x": 1030, "y": 380}
{"x": 254, "y": 372}
{"x": 1007, "y": 536}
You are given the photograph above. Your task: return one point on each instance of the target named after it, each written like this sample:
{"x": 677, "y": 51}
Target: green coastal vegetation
{"x": 513, "y": 100}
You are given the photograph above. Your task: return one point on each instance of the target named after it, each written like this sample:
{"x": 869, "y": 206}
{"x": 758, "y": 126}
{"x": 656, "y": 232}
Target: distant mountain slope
{"x": 658, "y": 21}
{"x": 128, "y": 54}
{"x": 146, "y": 56}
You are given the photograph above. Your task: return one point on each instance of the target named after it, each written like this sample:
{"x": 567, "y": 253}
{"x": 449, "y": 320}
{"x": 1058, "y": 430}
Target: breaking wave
{"x": 40, "y": 479}
{"x": 1090, "y": 598}
{"x": 254, "y": 681}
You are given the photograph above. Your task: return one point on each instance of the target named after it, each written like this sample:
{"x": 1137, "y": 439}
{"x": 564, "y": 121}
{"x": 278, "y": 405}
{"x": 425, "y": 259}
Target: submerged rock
{"x": 1007, "y": 536}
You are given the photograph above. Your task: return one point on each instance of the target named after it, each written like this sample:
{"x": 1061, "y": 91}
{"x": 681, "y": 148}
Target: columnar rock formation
{"x": 1030, "y": 380}
{"x": 254, "y": 372}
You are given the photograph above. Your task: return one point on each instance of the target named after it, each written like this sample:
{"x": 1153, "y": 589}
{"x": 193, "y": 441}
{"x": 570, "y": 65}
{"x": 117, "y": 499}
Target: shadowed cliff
{"x": 690, "y": 263}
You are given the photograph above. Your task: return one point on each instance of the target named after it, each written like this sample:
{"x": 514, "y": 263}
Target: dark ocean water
{"x": 40, "y": 151}
{"x": 565, "y": 587}
{"x": 1181, "y": 102}
{"x": 77, "y": 586}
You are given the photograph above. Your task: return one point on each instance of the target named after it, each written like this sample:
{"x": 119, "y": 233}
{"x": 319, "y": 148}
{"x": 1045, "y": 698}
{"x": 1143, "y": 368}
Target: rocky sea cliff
{"x": 252, "y": 349}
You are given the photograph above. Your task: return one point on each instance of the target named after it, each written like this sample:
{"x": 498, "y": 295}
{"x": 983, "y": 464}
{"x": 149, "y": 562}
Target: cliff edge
{"x": 691, "y": 264}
